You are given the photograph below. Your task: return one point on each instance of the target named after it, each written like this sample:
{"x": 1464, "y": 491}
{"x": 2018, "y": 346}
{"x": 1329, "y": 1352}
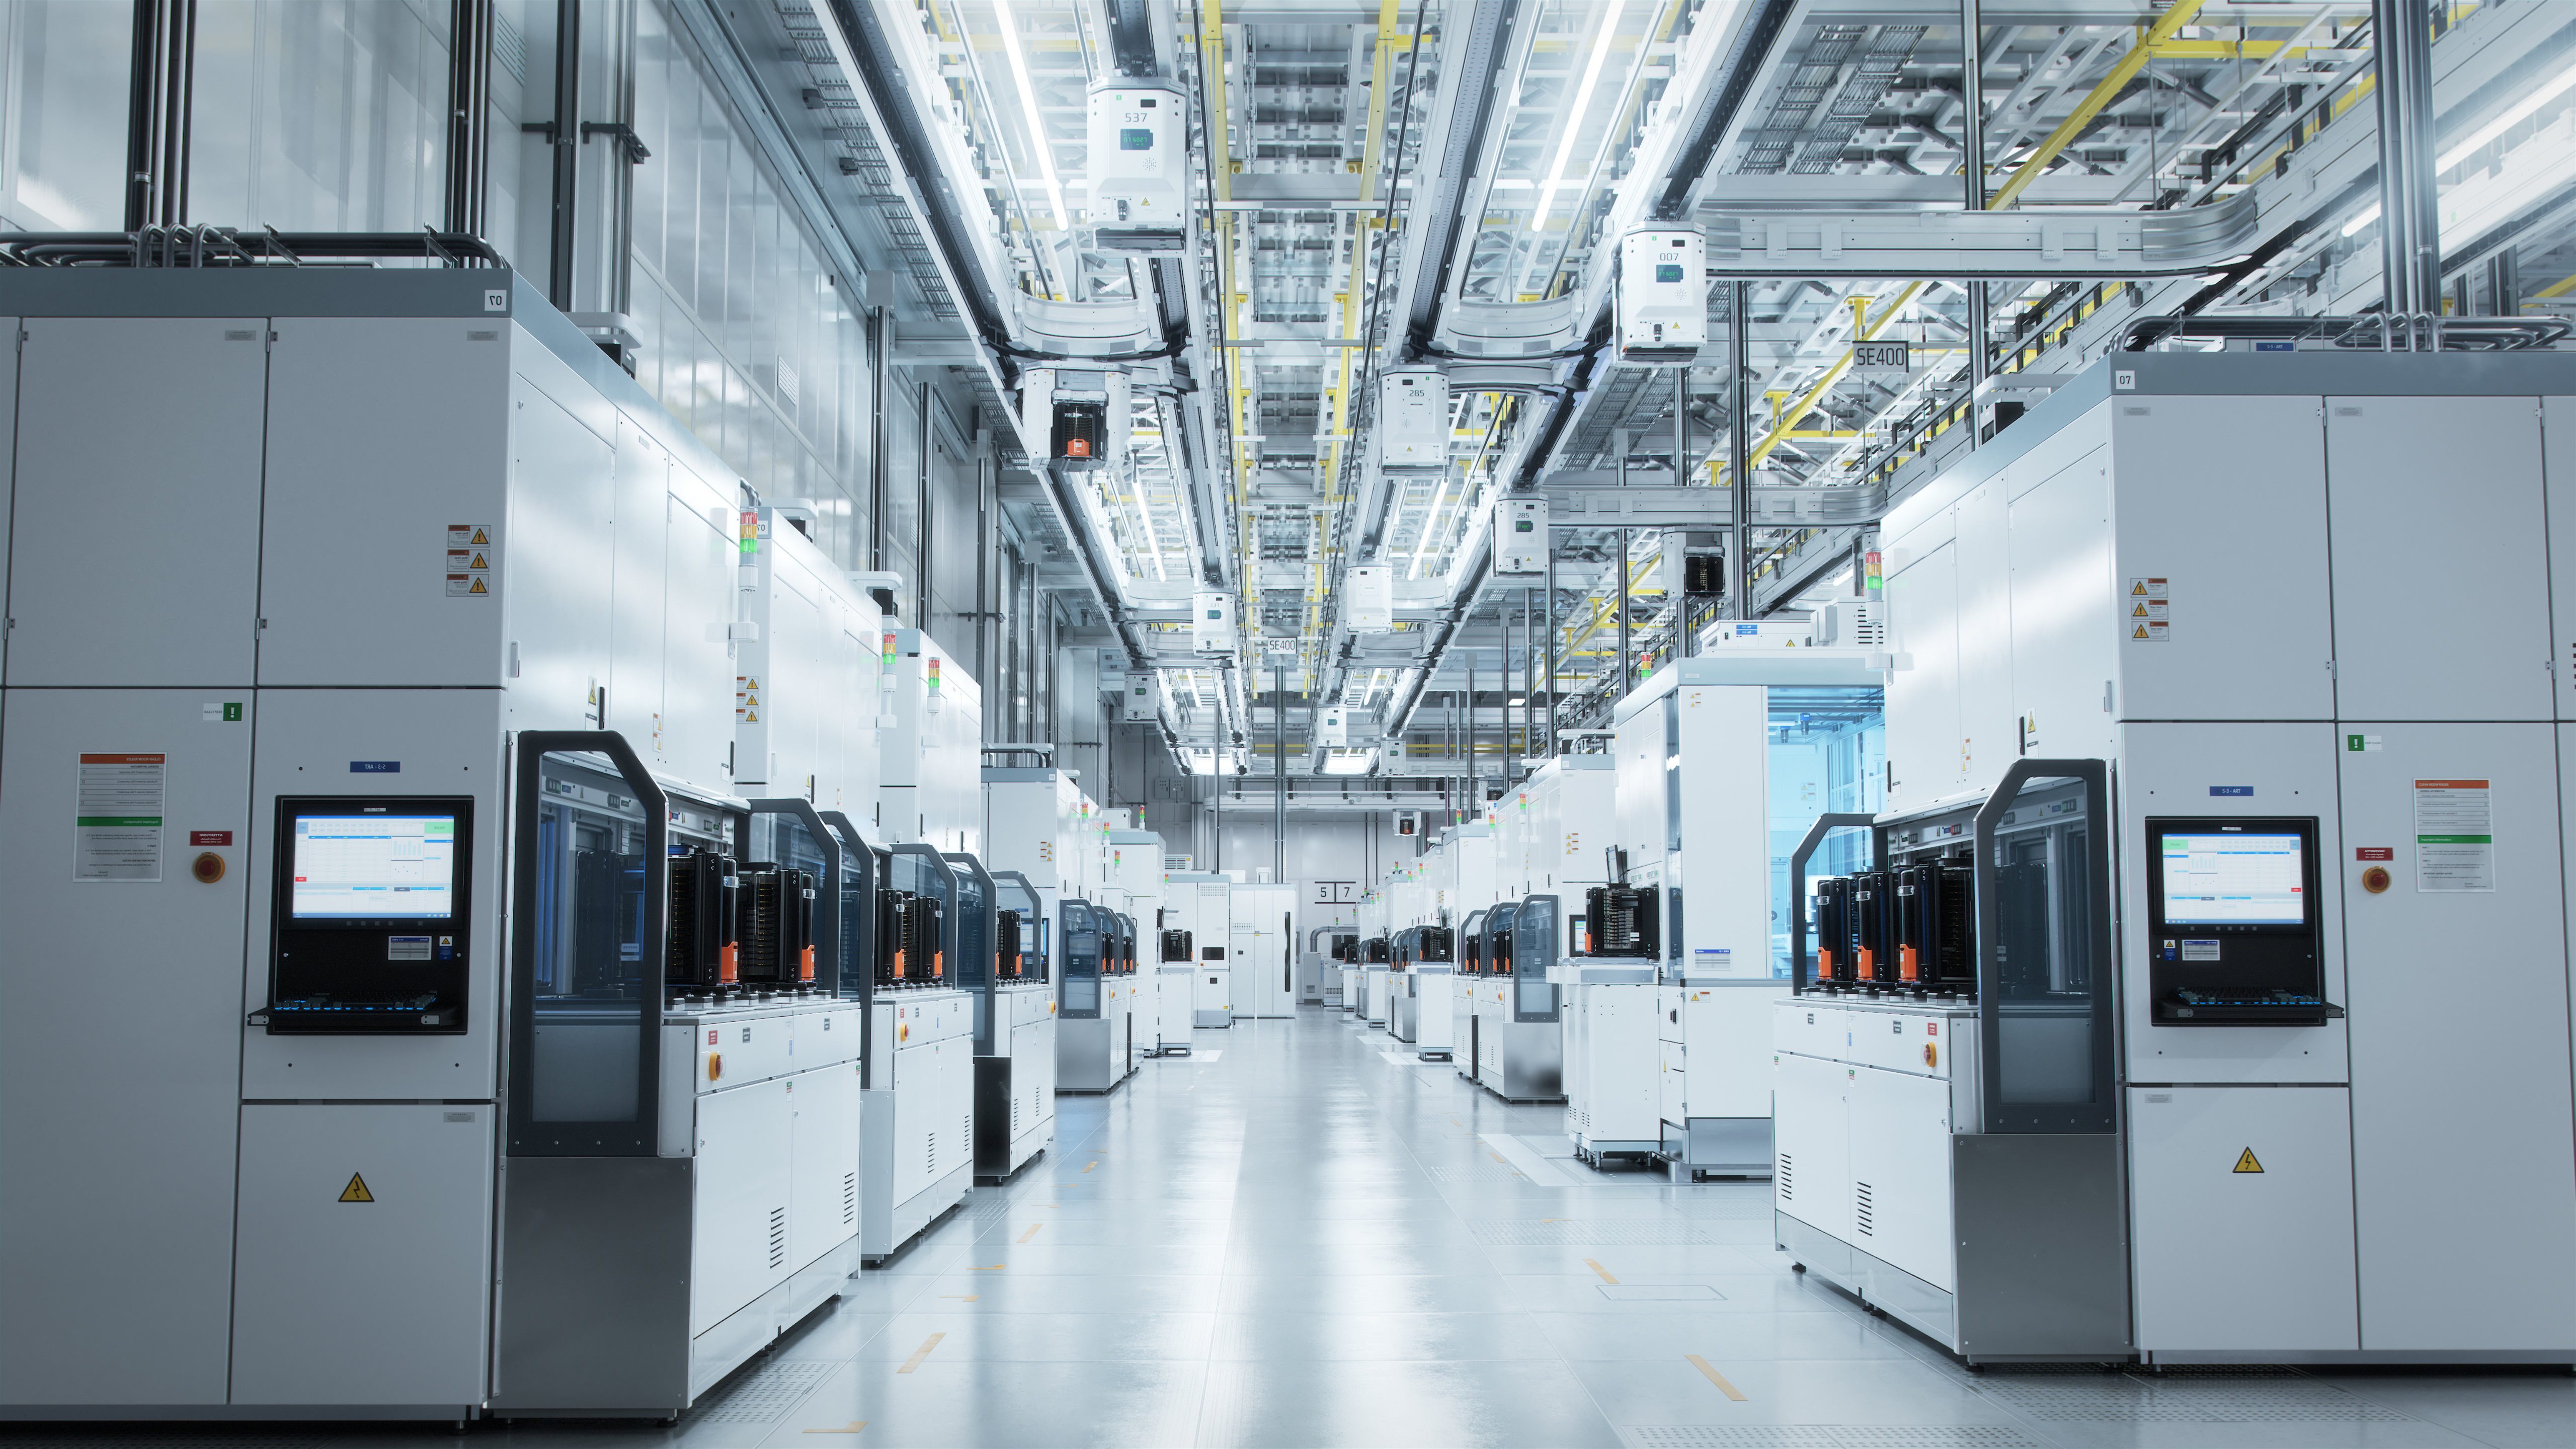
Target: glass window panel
{"x": 2043, "y": 973}
{"x": 589, "y": 974}
{"x": 62, "y": 114}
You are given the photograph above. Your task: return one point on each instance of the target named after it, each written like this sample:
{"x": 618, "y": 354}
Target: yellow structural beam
{"x": 2100, "y": 96}
{"x": 1784, "y": 424}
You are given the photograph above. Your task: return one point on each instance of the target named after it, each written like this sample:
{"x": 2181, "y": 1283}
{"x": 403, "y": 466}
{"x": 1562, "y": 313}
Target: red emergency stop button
{"x": 209, "y": 867}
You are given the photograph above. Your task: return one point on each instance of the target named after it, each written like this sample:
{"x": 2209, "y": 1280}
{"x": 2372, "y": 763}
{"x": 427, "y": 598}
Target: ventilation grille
{"x": 1781, "y": 1180}
{"x": 1862, "y": 1209}
{"x": 777, "y": 1237}
{"x": 849, "y": 1198}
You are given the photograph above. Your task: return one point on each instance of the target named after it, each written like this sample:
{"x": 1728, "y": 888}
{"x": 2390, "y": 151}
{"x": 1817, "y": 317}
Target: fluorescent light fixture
{"x": 1349, "y": 762}
{"x": 2484, "y": 136}
{"x": 1029, "y": 110}
{"x": 1574, "y": 114}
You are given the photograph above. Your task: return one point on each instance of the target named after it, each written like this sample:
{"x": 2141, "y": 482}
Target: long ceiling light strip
{"x": 1610, "y": 10}
{"x": 1029, "y": 110}
{"x": 2484, "y": 136}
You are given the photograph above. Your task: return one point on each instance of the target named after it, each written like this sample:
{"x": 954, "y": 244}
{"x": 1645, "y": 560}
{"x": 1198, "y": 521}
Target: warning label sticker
{"x": 356, "y": 1191}
{"x": 2246, "y": 1163}
{"x": 2147, "y": 610}
{"x": 467, "y": 562}
{"x": 116, "y": 822}
{"x": 2454, "y": 835}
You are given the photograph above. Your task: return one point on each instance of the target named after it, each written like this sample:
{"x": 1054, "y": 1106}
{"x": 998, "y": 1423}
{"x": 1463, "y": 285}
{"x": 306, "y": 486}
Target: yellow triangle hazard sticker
{"x": 2247, "y": 1163}
{"x": 478, "y": 588}
{"x": 2139, "y": 588}
{"x": 751, "y": 716}
{"x": 2140, "y": 632}
{"x": 480, "y": 538}
{"x": 2139, "y": 612}
{"x": 479, "y": 563}
{"x": 356, "y": 1191}
{"x": 751, "y": 701}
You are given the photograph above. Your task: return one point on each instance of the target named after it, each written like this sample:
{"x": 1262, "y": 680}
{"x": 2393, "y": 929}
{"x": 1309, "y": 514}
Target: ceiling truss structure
{"x": 1378, "y": 184}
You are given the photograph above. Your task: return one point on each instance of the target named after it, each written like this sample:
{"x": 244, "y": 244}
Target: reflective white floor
{"x": 1292, "y": 1240}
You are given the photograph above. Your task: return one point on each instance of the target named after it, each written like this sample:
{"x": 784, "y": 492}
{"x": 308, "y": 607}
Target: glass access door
{"x": 592, "y": 887}
{"x": 2044, "y": 977}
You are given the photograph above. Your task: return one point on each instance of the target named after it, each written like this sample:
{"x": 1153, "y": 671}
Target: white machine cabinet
{"x": 1612, "y": 1064}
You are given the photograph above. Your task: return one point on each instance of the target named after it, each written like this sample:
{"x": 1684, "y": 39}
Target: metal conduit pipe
{"x": 2410, "y": 220}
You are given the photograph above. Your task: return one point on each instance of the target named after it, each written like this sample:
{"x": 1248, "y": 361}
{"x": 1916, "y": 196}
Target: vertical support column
{"x": 469, "y": 111}
{"x": 1624, "y": 671}
{"x": 985, "y": 612}
{"x": 1549, "y": 619}
{"x": 560, "y": 245}
{"x": 1279, "y": 773}
{"x": 926, "y": 450}
{"x": 1972, "y": 139}
{"x": 1475, "y": 777}
{"x": 2410, "y": 230}
{"x": 1529, "y": 688}
{"x": 880, "y": 327}
{"x": 159, "y": 105}
{"x": 1739, "y": 448}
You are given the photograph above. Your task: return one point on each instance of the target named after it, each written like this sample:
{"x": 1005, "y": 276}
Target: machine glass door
{"x": 2044, "y": 976}
{"x": 586, "y": 978}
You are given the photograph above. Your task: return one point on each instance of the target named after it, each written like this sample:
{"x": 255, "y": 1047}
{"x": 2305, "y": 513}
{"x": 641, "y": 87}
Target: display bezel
{"x": 290, "y": 808}
{"x": 2304, "y": 828}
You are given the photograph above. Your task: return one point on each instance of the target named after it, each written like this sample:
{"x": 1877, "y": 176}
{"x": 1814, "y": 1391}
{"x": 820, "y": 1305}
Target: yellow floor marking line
{"x": 988, "y": 1267}
{"x": 1095, "y": 1162}
{"x": 1702, "y": 1365}
{"x": 962, "y": 1297}
{"x": 1033, "y": 1232}
{"x": 932, "y": 1342}
{"x": 1595, "y": 1265}
{"x": 852, "y": 1427}
{"x": 1498, "y": 1157}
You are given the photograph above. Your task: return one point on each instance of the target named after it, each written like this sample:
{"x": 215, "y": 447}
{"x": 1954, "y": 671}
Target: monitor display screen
{"x": 2234, "y": 880}
{"x": 374, "y": 867}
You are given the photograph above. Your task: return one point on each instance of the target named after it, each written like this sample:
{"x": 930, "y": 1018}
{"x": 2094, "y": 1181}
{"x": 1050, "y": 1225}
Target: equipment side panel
{"x": 445, "y": 742}
{"x": 698, "y": 601}
{"x": 366, "y": 1235}
{"x": 2402, "y": 661}
{"x": 2221, "y": 503}
{"x": 2239, "y": 1254}
{"x": 2558, "y": 461}
{"x": 1811, "y": 1125}
{"x": 123, "y": 1074}
{"x": 2459, "y": 1020}
{"x": 2063, "y": 615}
{"x": 1726, "y": 833}
{"x": 386, "y": 436}
{"x": 1900, "y": 1172}
{"x": 1926, "y": 756}
{"x": 8, "y": 467}
{"x": 1988, "y": 726}
{"x": 639, "y": 484}
{"x": 557, "y": 592}
{"x": 2177, "y": 769}
{"x": 136, "y": 531}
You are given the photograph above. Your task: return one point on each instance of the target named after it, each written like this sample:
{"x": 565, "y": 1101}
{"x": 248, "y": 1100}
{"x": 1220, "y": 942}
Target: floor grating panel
{"x": 763, "y": 1394}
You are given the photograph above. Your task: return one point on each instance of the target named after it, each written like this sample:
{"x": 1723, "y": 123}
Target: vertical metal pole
{"x": 1279, "y": 774}
{"x": 880, "y": 328}
{"x": 158, "y": 110}
{"x": 1475, "y": 778}
{"x": 1503, "y": 662}
{"x": 1623, "y": 610}
{"x": 2410, "y": 232}
{"x": 926, "y": 538}
{"x": 1528, "y": 689}
{"x": 1681, "y": 479}
{"x": 1972, "y": 166}
{"x": 567, "y": 153}
{"x": 469, "y": 105}
{"x": 1739, "y": 447}
{"x": 1548, "y": 617}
